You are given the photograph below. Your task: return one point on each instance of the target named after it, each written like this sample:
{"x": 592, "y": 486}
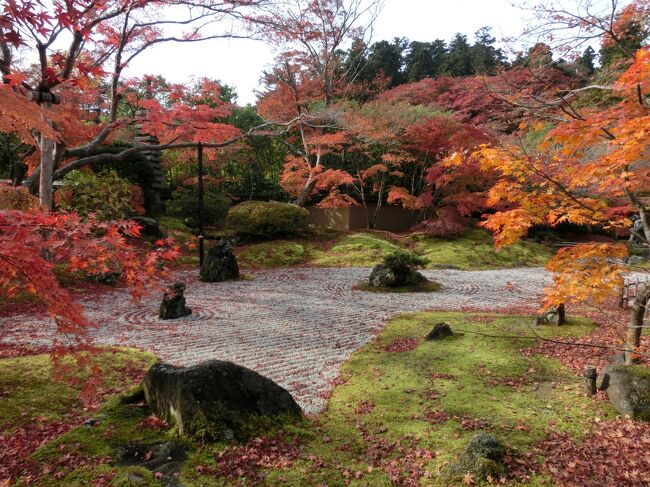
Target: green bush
{"x": 401, "y": 261}
{"x": 105, "y": 194}
{"x": 266, "y": 220}
{"x": 185, "y": 205}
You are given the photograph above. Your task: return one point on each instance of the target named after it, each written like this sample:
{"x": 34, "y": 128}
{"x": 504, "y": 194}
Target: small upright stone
{"x": 552, "y": 316}
{"x": 440, "y": 332}
{"x": 220, "y": 264}
{"x": 173, "y": 303}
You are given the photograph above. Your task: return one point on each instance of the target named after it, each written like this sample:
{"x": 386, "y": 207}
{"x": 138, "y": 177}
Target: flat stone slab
{"x": 295, "y": 326}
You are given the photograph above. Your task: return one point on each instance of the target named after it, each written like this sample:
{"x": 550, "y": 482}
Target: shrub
{"x": 16, "y": 199}
{"x": 105, "y": 194}
{"x": 447, "y": 223}
{"x": 261, "y": 219}
{"x": 402, "y": 262}
{"x": 185, "y": 205}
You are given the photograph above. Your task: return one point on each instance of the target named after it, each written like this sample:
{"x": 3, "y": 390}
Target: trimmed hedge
{"x": 256, "y": 220}
{"x": 185, "y": 204}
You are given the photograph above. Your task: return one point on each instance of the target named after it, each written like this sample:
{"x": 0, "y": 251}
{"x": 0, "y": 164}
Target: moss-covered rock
{"x": 217, "y": 400}
{"x": 482, "y": 458}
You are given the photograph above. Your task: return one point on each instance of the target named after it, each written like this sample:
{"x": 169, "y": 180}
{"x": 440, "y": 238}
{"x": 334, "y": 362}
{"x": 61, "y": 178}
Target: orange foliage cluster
{"x": 590, "y": 170}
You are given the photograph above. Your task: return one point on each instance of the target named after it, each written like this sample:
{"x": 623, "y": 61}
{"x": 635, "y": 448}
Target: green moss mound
{"x": 263, "y": 220}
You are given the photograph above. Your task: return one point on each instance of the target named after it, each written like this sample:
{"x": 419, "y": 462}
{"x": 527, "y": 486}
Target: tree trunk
{"x": 380, "y": 196}
{"x": 633, "y": 339}
{"x": 48, "y": 158}
{"x": 304, "y": 195}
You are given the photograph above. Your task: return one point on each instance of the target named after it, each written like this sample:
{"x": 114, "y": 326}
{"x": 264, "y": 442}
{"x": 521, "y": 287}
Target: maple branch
{"x": 121, "y": 156}
{"x": 87, "y": 149}
{"x": 552, "y": 340}
{"x": 553, "y": 181}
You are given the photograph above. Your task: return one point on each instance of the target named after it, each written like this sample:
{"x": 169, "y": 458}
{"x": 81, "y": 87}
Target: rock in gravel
{"x": 439, "y": 332}
{"x": 217, "y": 400}
{"x": 483, "y": 456}
{"x": 382, "y": 276}
{"x": 220, "y": 264}
{"x": 628, "y": 388}
{"x": 173, "y": 303}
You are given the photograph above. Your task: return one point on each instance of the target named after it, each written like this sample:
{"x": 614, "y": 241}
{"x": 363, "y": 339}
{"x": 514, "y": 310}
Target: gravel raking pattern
{"x": 296, "y": 326}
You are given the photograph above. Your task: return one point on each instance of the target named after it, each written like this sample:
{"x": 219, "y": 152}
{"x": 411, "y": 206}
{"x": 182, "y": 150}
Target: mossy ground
{"x": 30, "y": 387}
{"x": 472, "y": 251}
{"x": 434, "y": 396}
{"x": 475, "y": 251}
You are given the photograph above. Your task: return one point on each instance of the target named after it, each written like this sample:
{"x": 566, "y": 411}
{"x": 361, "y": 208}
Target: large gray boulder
{"x": 220, "y": 264}
{"x": 628, "y": 388}
{"x": 217, "y": 400}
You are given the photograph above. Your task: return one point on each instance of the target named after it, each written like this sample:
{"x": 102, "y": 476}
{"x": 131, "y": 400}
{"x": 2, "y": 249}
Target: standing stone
{"x": 220, "y": 264}
{"x": 552, "y": 316}
{"x": 216, "y": 400}
{"x": 590, "y": 376}
{"x": 173, "y": 303}
{"x": 440, "y": 332}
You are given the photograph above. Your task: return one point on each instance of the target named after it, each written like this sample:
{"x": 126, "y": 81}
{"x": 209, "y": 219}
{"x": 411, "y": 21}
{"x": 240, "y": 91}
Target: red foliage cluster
{"x": 448, "y": 223}
{"x": 11, "y": 351}
{"x": 245, "y": 461}
{"x": 32, "y": 243}
{"x": 401, "y": 345}
{"x": 616, "y": 453}
{"x": 435, "y": 417}
{"x": 471, "y": 424}
{"x": 403, "y": 461}
{"x": 154, "y": 422}
{"x": 365, "y": 407}
{"x": 474, "y": 99}
{"x": 22, "y": 442}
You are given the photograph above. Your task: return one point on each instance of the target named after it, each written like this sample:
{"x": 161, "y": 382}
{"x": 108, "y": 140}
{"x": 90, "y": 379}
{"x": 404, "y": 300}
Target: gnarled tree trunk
{"x": 635, "y": 327}
{"x": 48, "y": 161}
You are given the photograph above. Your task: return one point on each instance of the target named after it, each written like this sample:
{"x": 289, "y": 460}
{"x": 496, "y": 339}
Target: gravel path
{"x": 296, "y": 326}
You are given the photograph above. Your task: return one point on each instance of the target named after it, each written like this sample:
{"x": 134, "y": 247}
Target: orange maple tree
{"x": 591, "y": 169}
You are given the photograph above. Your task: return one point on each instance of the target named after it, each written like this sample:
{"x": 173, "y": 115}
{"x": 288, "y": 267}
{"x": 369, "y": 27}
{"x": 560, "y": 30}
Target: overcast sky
{"x": 240, "y": 62}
